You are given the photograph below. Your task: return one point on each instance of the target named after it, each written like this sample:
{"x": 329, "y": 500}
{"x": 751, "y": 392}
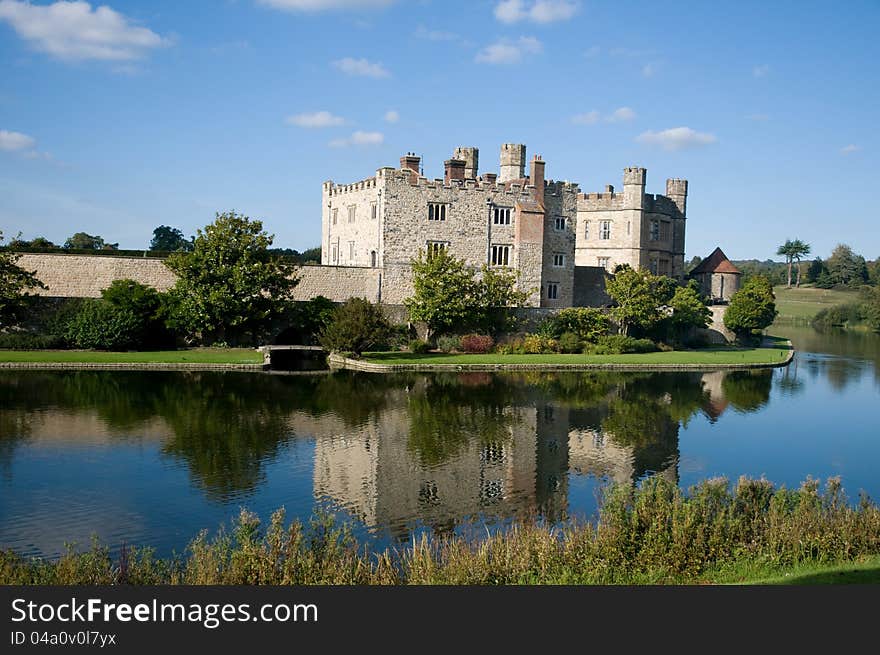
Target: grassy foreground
{"x": 191, "y": 356}
{"x": 801, "y": 305}
{"x": 776, "y": 352}
{"x": 654, "y": 534}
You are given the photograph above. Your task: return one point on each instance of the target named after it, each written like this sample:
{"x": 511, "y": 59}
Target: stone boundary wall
{"x": 134, "y": 366}
{"x": 339, "y": 362}
{"x": 84, "y": 276}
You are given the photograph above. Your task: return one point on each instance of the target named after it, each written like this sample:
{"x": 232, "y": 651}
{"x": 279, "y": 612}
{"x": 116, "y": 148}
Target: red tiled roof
{"x": 717, "y": 262}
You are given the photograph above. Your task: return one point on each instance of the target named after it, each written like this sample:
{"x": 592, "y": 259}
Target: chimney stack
{"x": 454, "y": 169}
{"x": 410, "y": 161}
{"x": 537, "y": 177}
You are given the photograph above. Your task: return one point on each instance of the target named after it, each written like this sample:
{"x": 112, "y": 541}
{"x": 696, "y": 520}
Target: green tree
{"x": 170, "y": 239}
{"x": 357, "y": 325}
{"x": 787, "y": 250}
{"x": 496, "y": 294}
{"x": 752, "y": 308}
{"x": 230, "y": 288}
{"x": 147, "y": 305}
{"x": 639, "y": 298}
{"x": 688, "y": 310}
{"x": 799, "y": 250}
{"x": 846, "y": 267}
{"x": 83, "y": 241}
{"x": 14, "y": 281}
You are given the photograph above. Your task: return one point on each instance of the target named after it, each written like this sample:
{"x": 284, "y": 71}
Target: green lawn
{"x": 192, "y": 356}
{"x": 708, "y": 357}
{"x": 803, "y": 304}
{"x": 863, "y": 571}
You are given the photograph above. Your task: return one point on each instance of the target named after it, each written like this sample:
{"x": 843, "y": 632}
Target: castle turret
{"x": 454, "y": 169}
{"x": 634, "y": 187}
{"x": 410, "y": 161}
{"x": 471, "y": 157}
{"x": 677, "y": 191}
{"x": 513, "y": 162}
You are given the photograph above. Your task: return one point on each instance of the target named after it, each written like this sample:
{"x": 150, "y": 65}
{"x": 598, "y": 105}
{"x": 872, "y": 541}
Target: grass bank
{"x": 801, "y": 305}
{"x": 774, "y": 352}
{"x": 189, "y": 356}
{"x": 654, "y": 534}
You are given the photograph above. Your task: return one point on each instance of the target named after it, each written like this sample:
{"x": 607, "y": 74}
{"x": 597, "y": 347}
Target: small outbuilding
{"x": 718, "y": 278}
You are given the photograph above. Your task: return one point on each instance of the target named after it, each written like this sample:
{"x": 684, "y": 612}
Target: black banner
{"x": 404, "y": 619}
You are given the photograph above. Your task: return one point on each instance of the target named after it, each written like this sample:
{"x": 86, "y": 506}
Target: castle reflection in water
{"x": 439, "y": 449}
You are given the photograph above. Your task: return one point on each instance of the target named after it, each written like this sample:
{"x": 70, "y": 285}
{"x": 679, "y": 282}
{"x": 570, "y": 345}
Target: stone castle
{"x": 559, "y": 241}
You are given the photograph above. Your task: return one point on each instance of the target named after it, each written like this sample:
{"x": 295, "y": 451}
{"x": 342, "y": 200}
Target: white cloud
{"x": 74, "y": 31}
{"x": 315, "y": 119}
{"x": 392, "y": 116}
{"x": 322, "y": 5}
{"x": 648, "y": 70}
{"x": 539, "y": 11}
{"x": 362, "y": 67}
{"x": 621, "y": 115}
{"x": 761, "y": 71}
{"x": 508, "y": 52}
{"x": 15, "y": 141}
{"x": 359, "y": 138}
{"x": 423, "y": 32}
{"x": 589, "y": 118}
{"x": 592, "y": 51}
{"x": 851, "y": 148}
{"x": 677, "y": 138}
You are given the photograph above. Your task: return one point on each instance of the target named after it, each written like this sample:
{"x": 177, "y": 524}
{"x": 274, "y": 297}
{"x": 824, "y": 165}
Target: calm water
{"x": 152, "y": 457}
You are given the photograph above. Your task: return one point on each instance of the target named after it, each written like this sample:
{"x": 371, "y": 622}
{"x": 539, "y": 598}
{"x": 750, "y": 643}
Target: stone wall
{"x": 589, "y": 287}
{"x": 354, "y": 239}
{"x": 84, "y": 276}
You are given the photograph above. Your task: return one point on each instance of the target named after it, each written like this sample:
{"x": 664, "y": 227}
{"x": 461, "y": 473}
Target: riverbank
{"x": 799, "y": 306}
{"x": 210, "y": 358}
{"x": 751, "y": 532}
{"x": 775, "y": 352}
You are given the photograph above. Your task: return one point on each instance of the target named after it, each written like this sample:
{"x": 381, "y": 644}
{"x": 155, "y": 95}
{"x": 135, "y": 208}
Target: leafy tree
{"x": 147, "y": 305}
{"x": 450, "y": 298}
{"x": 688, "y": 310}
{"x": 83, "y": 241}
{"x": 695, "y": 261}
{"x": 14, "y": 280}
{"x": 798, "y": 250}
{"x": 874, "y": 272}
{"x": 358, "y": 325}
{"x": 639, "y": 297}
{"x": 42, "y": 243}
{"x": 100, "y": 325}
{"x": 752, "y": 308}
{"x": 307, "y": 320}
{"x": 169, "y": 239}
{"x": 588, "y": 323}
{"x": 846, "y": 267}
{"x": 818, "y": 273}
{"x": 230, "y": 287}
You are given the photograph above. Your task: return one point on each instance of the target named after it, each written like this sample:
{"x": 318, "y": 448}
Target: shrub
{"x": 101, "y": 326}
{"x": 587, "y": 323}
{"x": 419, "y": 347}
{"x": 477, "y": 343}
{"x": 448, "y": 343}
{"x": 30, "y": 341}
{"x": 569, "y": 342}
{"x": 535, "y": 344}
{"x": 752, "y": 308}
{"x": 358, "y": 325}
{"x": 619, "y": 344}
{"x": 837, "y": 316}
{"x": 147, "y": 305}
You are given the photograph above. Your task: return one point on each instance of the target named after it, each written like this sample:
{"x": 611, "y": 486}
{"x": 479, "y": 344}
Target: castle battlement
{"x": 332, "y": 189}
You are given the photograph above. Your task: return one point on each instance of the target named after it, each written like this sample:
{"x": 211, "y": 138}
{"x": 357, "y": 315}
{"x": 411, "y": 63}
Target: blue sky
{"x": 117, "y": 118}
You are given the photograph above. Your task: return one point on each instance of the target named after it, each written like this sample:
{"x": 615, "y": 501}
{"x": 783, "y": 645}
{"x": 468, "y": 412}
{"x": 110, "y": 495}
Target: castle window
{"x": 373, "y": 259}
{"x": 559, "y": 223}
{"x": 654, "y": 267}
{"x": 334, "y": 214}
{"x": 334, "y": 257}
{"x": 587, "y": 230}
{"x": 501, "y": 216}
{"x": 351, "y": 251}
{"x": 374, "y": 210}
{"x": 436, "y": 247}
{"x": 500, "y": 255}
{"x": 604, "y": 230}
{"x": 604, "y": 262}
{"x": 558, "y": 259}
{"x": 352, "y": 211}
{"x": 436, "y": 211}
{"x": 664, "y": 230}
{"x": 552, "y": 290}
{"x": 655, "y": 231}
{"x": 492, "y": 453}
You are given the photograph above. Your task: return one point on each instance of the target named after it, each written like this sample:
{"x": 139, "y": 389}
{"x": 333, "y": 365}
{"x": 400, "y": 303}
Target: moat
{"x": 151, "y": 458}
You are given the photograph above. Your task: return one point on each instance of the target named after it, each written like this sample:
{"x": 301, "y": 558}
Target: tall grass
{"x": 653, "y": 533}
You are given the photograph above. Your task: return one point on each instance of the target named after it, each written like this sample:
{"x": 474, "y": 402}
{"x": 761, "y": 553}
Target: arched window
{"x": 373, "y": 259}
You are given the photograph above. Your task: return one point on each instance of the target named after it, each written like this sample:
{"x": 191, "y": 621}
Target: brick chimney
{"x": 411, "y": 161}
{"x": 537, "y": 178}
{"x": 454, "y": 169}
